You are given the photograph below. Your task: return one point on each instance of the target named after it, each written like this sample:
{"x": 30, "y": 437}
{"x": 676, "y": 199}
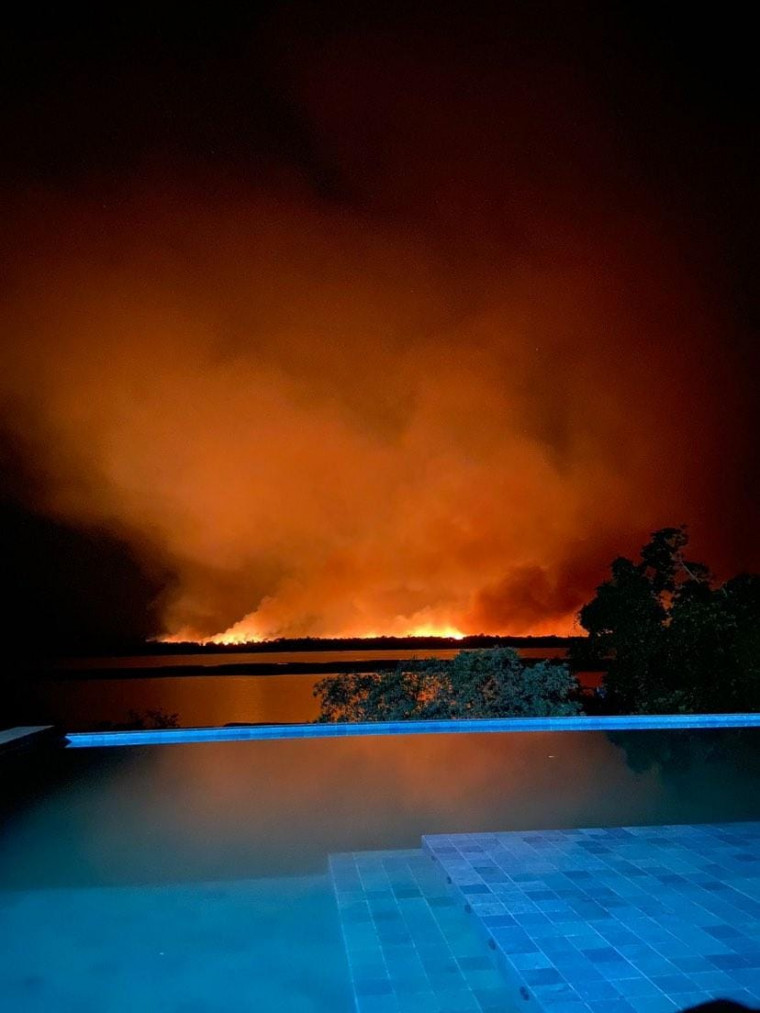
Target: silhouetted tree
{"x": 713, "y": 644}
{"x": 474, "y": 684}
{"x": 673, "y": 640}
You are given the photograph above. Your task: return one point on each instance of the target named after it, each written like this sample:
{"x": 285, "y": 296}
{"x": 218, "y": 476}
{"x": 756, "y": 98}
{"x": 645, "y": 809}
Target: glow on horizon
{"x": 240, "y": 637}
{"x": 249, "y": 631}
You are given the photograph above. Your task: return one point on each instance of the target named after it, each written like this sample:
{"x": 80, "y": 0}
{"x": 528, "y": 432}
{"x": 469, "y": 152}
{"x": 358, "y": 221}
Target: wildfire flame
{"x": 246, "y": 632}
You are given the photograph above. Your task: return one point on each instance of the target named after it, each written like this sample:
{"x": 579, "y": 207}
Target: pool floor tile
{"x": 441, "y": 964}
{"x": 641, "y": 919}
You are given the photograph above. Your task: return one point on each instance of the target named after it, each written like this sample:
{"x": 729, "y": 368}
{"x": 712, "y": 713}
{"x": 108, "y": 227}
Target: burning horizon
{"x": 430, "y": 379}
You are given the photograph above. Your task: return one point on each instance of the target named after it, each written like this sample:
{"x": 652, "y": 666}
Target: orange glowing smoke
{"x": 439, "y": 402}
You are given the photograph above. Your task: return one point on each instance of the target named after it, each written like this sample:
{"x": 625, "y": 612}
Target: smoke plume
{"x": 428, "y": 376}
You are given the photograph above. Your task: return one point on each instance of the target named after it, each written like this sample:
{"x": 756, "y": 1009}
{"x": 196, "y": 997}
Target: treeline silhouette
{"x": 479, "y": 641}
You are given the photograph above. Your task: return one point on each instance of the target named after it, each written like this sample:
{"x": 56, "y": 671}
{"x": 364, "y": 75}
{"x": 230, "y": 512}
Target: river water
{"x": 77, "y": 701}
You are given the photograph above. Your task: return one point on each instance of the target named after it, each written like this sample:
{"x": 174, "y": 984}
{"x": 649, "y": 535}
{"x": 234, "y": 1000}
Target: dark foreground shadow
{"x": 719, "y": 1006}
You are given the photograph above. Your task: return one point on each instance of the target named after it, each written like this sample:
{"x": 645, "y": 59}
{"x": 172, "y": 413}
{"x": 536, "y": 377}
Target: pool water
{"x": 194, "y": 877}
{"x": 268, "y": 944}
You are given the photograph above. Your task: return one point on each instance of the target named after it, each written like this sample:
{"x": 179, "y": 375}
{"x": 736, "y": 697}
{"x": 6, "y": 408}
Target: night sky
{"x": 321, "y": 319}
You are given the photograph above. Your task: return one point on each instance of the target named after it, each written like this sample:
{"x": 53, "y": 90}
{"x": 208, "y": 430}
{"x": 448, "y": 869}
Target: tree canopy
{"x": 474, "y": 684}
{"x": 673, "y": 638}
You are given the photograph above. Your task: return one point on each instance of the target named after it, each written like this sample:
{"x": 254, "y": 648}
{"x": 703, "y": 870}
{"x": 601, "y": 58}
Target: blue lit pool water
{"x": 235, "y": 945}
{"x": 194, "y": 877}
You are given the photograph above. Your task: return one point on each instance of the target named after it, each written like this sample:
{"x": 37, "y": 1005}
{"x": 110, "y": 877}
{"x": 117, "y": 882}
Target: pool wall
{"x": 635, "y": 722}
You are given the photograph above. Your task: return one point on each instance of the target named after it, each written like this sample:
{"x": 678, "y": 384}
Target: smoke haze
{"x": 430, "y": 373}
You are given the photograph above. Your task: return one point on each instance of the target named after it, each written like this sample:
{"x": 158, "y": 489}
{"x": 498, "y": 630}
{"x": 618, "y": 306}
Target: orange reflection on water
{"x": 273, "y": 806}
{"x": 213, "y": 700}
{"x": 197, "y": 700}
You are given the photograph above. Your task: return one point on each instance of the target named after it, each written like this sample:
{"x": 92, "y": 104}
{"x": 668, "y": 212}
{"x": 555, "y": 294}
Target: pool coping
{"x": 25, "y": 737}
{"x": 631, "y": 722}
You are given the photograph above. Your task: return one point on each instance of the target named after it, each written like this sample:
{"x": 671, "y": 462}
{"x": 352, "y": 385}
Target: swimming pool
{"x": 195, "y": 876}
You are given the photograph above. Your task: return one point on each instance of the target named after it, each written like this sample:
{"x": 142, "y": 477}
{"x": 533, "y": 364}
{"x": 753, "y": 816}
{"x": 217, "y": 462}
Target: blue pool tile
{"x": 421, "y": 1002}
{"x": 656, "y": 965}
{"x": 373, "y": 986}
{"x": 638, "y": 987}
{"x": 551, "y": 996}
{"x": 618, "y": 970}
{"x": 673, "y": 984}
{"x": 612, "y": 1006}
{"x": 693, "y": 963}
{"x": 745, "y": 944}
{"x": 511, "y": 946}
{"x": 557, "y": 944}
{"x": 560, "y": 1004}
{"x": 742, "y": 995}
{"x": 486, "y": 981}
{"x": 499, "y": 919}
{"x": 728, "y": 961}
{"x": 494, "y": 999}
{"x": 602, "y": 954}
{"x": 581, "y": 970}
{"x": 712, "y": 981}
{"x": 419, "y": 950}
{"x": 722, "y": 931}
{"x": 475, "y": 963}
{"x": 652, "y": 911}
{"x": 377, "y": 1004}
{"x": 596, "y": 989}
{"x": 654, "y": 1004}
{"x": 542, "y": 976}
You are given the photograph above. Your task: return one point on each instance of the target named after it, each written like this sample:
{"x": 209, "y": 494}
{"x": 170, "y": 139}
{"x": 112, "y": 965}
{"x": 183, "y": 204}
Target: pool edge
{"x": 633, "y": 722}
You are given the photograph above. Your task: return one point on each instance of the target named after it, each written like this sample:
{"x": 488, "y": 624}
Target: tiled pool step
{"x": 621, "y": 920}
{"x": 411, "y": 948}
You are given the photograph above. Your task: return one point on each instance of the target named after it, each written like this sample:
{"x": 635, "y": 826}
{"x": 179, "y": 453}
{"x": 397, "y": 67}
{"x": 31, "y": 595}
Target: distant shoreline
{"x": 298, "y": 644}
{"x": 276, "y": 663}
{"x": 263, "y": 670}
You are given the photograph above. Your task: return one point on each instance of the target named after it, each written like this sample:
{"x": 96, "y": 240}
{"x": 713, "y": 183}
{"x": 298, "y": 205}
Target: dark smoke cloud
{"x": 428, "y": 369}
